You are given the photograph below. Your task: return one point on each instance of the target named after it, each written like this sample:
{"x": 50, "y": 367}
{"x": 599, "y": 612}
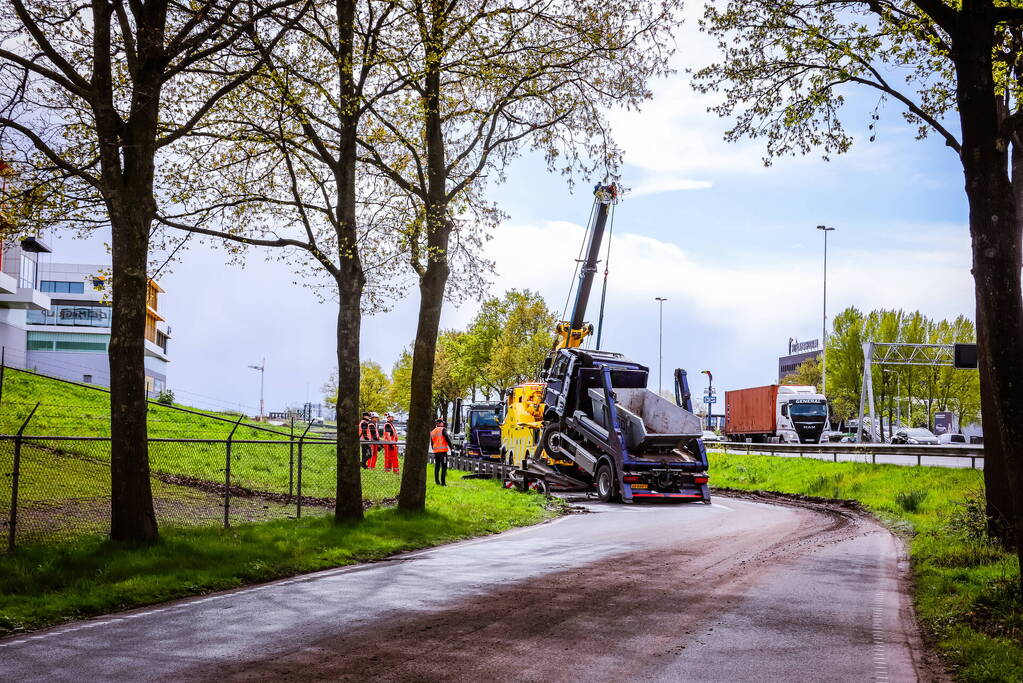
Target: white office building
{"x": 55, "y": 318}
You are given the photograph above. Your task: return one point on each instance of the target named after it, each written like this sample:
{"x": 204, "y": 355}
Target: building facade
{"x": 799, "y": 352}
{"x": 57, "y": 321}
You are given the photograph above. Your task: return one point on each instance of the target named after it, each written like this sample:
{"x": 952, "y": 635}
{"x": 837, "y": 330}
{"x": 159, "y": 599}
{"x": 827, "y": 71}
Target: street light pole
{"x": 824, "y": 322}
{"x": 660, "y": 341}
{"x": 262, "y": 368}
{"x": 710, "y": 396}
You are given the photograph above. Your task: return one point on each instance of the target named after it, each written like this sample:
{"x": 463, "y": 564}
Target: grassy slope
{"x": 69, "y": 410}
{"x": 965, "y": 587}
{"x": 45, "y": 585}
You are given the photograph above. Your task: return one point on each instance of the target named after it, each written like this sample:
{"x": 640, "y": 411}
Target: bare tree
{"x": 83, "y": 110}
{"x": 277, "y": 163}
{"x": 486, "y": 79}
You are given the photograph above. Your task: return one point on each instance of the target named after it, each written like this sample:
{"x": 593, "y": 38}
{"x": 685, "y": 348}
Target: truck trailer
{"x": 776, "y": 414}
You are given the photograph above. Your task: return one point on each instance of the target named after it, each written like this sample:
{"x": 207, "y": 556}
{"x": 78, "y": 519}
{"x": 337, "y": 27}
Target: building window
{"x": 81, "y": 346}
{"x": 161, "y": 340}
{"x": 62, "y": 341}
{"x": 72, "y": 315}
{"x": 61, "y": 287}
{"x": 87, "y": 379}
{"x": 27, "y": 272}
{"x": 151, "y": 328}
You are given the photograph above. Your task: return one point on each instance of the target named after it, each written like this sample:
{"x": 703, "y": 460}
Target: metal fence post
{"x": 12, "y": 529}
{"x": 227, "y": 475}
{"x": 3, "y": 364}
{"x": 298, "y": 506}
{"x": 291, "y": 460}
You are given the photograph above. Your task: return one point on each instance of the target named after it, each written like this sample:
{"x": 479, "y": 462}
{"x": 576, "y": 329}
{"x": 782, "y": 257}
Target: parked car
{"x": 949, "y": 438}
{"x": 709, "y": 436}
{"x": 914, "y": 436}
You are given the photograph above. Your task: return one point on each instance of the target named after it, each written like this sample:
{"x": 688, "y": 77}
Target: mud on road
{"x": 798, "y": 590}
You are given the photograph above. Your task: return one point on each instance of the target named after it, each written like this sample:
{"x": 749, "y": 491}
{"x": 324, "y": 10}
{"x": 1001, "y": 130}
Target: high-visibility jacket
{"x": 390, "y": 433}
{"x": 364, "y": 430}
{"x": 438, "y": 440}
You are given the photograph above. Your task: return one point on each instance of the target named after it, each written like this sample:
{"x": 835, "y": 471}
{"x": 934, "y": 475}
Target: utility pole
{"x": 824, "y": 323}
{"x": 262, "y": 368}
{"x": 660, "y": 340}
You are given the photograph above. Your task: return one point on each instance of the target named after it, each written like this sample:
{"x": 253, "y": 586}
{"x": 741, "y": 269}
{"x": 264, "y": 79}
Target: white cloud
{"x": 667, "y": 184}
{"x": 733, "y": 312}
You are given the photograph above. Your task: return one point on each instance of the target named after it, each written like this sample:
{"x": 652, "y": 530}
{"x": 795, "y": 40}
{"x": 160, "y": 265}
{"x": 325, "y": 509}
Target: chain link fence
{"x": 55, "y": 488}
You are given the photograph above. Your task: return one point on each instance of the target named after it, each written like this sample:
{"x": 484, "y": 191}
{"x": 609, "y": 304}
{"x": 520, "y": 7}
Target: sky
{"x": 731, "y": 244}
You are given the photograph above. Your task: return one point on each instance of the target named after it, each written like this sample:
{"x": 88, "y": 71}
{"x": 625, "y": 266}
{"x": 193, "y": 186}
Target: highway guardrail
{"x": 865, "y": 450}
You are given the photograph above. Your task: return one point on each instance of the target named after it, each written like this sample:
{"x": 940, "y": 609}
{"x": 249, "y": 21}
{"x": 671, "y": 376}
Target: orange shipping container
{"x": 751, "y": 411}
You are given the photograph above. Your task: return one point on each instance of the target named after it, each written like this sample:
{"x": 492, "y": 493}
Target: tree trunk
{"x": 351, "y": 278}
{"x": 995, "y": 232}
{"x": 348, "y": 506}
{"x": 433, "y": 277}
{"x": 127, "y": 152}
{"x": 132, "y": 517}
{"x": 431, "y": 299}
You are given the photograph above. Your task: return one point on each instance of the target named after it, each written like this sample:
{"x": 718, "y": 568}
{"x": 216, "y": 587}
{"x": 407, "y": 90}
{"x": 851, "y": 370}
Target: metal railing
{"x": 57, "y": 488}
{"x": 864, "y": 450}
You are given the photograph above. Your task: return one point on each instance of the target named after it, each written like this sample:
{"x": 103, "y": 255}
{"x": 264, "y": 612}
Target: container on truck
{"x": 776, "y": 414}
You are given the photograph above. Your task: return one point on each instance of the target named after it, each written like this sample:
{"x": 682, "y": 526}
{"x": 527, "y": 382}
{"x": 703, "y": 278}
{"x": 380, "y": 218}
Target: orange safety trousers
{"x": 390, "y": 454}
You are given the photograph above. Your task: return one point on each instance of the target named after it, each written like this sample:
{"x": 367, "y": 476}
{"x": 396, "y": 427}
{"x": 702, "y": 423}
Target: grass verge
{"x": 967, "y": 593}
{"x": 41, "y": 585}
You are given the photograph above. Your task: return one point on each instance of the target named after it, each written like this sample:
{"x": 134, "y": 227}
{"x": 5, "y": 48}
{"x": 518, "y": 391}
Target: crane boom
{"x": 571, "y": 332}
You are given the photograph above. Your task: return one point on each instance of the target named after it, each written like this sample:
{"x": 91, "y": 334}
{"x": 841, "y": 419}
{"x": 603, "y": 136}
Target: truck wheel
{"x": 606, "y": 484}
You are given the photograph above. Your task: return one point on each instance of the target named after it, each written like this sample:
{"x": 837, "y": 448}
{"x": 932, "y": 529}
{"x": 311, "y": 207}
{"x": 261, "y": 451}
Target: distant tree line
{"x": 913, "y": 393}
{"x": 505, "y": 343}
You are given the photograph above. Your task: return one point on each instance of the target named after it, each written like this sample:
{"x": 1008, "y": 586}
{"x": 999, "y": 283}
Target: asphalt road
{"x": 736, "y": 591}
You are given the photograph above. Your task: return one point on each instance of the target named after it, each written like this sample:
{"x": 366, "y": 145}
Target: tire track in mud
{"x": 627, "y": 616}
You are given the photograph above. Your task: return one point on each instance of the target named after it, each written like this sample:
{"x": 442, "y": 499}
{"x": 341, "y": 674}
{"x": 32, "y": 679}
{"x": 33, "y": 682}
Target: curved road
{"x": 737, "y": 591}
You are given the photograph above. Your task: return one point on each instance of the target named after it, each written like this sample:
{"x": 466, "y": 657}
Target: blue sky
{"x": 737, "y": 255}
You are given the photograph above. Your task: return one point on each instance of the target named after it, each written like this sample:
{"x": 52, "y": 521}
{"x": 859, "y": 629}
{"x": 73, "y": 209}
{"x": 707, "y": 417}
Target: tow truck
{"x": 590, "y": 423}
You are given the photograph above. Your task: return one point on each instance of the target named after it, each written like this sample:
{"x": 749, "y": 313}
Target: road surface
{"x": 736, "y": 591}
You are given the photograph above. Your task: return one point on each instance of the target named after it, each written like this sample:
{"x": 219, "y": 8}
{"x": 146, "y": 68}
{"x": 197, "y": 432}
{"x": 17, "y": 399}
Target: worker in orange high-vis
{"x": 440, "y": 444}
{"x": 374, "y": 435}
{"x": 390, "y": 433}
{"x": 367, "y": 450}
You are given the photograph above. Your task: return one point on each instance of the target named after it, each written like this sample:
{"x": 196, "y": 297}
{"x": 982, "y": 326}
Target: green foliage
{"x": 966, "y": 587}
{"x": 910, "y": 501}
{"x": 401, "y": 381}
{"x": 374, "y": 388}
{"x": 166, "y": 397}
{"x": 375, "y": 394}
{"x": 911, "y": 393}
{"x": 507, "y": 340}
{"x": 808, "y": 373}
{"x": 42, "y": 585}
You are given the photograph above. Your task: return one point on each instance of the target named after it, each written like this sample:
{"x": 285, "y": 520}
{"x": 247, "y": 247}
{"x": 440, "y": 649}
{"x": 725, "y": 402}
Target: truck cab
{"x": 802, "y": 414}
{"x": 603, "y": 425}
{"x": 478, "y": 430}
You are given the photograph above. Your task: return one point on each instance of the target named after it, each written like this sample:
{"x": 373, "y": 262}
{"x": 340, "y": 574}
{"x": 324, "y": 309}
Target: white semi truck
{"x": 776, "y": 414}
